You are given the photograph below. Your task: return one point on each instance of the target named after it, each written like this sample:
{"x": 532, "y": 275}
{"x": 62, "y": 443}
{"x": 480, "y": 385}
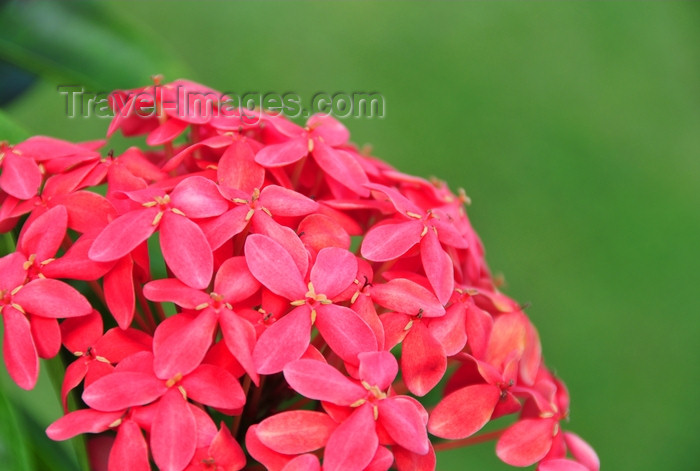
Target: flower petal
{"x": 47, "y": 336}
{"x": 406, "y": 296}
{"x": 353, "y": 444}
{"x": 404, "y": 424}
{"x": 239, "y": 336}
{"x": 378, "y": 368}
{"x": 274, "y": 267}
{"x": 284, "y": 341}
{"x": 123, "y": 235}
{"x": 237, "y": 168}
{"x": 86, "y": 210}
{"x": 20, "y": 176}
{"x": 284, "y": 202}
{"x": 345, "y": 332}
{"x": 81, "y": 421}
{"x": 306, "y": 462}
{"x": 295, "y": 432}
{"x": 334, "y": 271}
{"x": 234, "y": 281}
{"x": 173, "y": 433}
{"x": 561, "y": 465}
{"x": 325, "y": 126}
{"x": 119, "y": 290}
{"x": 464, "y": 412}
{"x": 174, "y": 291}
{"x": 12, "y": 272}
{"x": 423, "y": 361}
{"x": 449, "y": 329}
{"x": 278, "y": 155}
{"x": 129, "y": 451}
{"x": 44, "y": 235}
{"x": 186, "y": 250}
{"x": 183, "y": 350}
{"x": 121, "y": 390}
{"x": 18, "y": 348}
{"x": 214, "y": 387}
{"x": 526, "y": 442}
{"x": 320, "y": 381}
{"x": 318, "y": 231}
{"x": 226, "y": 450}
{"x": 339, "y": 163}
{"x": 283, "y": 235}
{"x": 52, "y": 298}
{"x": 582, "y": 451}
{"x": 408, "y": 461}
{"x": 79, "y": 333}
{"x": 389, "y": 241}
{"x": 198, "y": 197}
{"x": 272, "y": 460}
{"x": 438, "y": 266}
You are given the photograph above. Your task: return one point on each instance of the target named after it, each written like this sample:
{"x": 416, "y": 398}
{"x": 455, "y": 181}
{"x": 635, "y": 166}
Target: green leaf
{"x": 83, "y": 43}
{"x": 13, "y": 448}
{"x": 10, "y": 131}
{"x": 48, "y": 455}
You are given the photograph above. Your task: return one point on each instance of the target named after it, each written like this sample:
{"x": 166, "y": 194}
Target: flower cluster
{"x": 310, "y": 294}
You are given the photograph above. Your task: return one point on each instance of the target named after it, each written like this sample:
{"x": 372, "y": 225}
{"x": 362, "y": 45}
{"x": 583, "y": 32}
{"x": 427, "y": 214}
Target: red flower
{"x": 353, "y": 444}
{"x": 329, "y": 265}
{"x": 332, "y": 273}
{"x": 194, "y": 197}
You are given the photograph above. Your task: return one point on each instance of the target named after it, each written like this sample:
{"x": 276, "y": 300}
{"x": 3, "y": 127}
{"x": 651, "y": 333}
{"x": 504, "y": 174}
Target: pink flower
{"x": 312, "y": 294}
{"x": 237, "y": 246}
{"x": 371, "y": 406}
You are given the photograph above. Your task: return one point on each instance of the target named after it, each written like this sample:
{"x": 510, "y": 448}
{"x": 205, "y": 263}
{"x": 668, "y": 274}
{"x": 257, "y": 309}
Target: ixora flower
{"x": 248, "y": 293}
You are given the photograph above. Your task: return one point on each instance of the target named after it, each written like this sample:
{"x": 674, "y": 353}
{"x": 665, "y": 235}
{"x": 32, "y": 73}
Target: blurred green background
{"x": 574, "y": 127}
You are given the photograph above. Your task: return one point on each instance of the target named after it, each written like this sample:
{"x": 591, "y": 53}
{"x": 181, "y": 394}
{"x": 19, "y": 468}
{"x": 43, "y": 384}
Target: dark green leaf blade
{"x": 14, "y": 453}
{"x": 85, "y": 43}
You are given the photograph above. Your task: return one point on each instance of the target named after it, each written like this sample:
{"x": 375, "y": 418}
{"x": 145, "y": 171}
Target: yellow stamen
{"x": 157, "y": 219}
{"x": 18, "y": 307}
{"x": 357, "y": 403}
{"x": 116, "y": 423}
{"x": 171, "y": 382}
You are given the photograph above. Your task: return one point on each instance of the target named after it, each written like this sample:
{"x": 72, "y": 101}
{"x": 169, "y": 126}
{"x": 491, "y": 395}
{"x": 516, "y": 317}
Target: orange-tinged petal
{"x": 464, "y": 412}
{"x": 526, "y": 442}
